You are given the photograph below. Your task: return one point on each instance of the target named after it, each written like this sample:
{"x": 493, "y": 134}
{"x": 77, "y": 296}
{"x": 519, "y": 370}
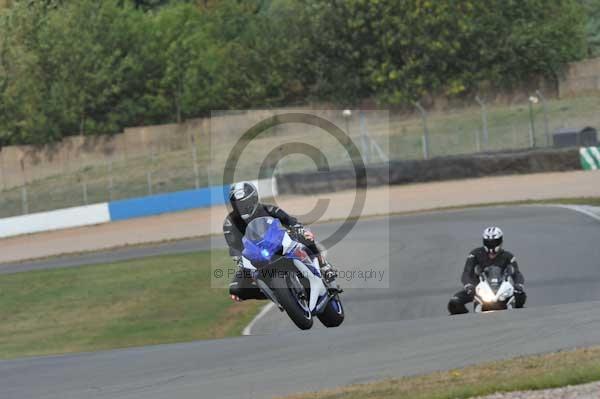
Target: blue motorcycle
{"x": 289, "y": 275}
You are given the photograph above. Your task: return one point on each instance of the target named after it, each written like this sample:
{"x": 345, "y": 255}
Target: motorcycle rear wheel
{"x": 333, "y": 314}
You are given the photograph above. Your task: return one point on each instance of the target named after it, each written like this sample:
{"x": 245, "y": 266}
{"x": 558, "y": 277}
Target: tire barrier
{"x": 437, "y": 169}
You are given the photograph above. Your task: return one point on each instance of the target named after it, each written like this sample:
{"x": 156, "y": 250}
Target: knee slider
{"x": 455, "y": 306}
{"x": 234, "y": 289}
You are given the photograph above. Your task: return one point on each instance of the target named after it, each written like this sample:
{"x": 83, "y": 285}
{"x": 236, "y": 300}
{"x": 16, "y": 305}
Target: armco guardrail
{"x": 590, "y": 158}
{"x": 125, "y": 209}
{"x": 446, "y": 168}
{"x": 167, "y": 203}
{"x": 395, "y": 172}
{"x": 54, "y": 220}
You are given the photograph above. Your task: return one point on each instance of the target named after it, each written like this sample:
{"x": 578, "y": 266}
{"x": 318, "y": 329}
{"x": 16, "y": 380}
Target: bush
{"x": 90, "y": 67}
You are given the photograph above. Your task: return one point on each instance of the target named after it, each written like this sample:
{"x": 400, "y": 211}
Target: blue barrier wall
{"x": 90, "y": 215}
{"x": 169, "y": 202}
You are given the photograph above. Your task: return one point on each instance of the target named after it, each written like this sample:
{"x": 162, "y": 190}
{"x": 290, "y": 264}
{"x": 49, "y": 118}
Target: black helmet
{"x": 244, "y": 199}
{"x": 492, "y": 239}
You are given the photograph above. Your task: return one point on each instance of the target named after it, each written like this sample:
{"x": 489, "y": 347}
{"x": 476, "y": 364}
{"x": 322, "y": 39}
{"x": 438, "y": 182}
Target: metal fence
{"x": 422, "y": 134}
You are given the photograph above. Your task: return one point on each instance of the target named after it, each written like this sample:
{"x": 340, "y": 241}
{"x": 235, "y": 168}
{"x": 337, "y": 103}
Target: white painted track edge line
{"x": 248, "y": 329}
{"x": 580, "y": 209}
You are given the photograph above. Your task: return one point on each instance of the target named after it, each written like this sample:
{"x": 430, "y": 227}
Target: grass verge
{"x": 147, "y": 301}
{"x": 525, "y": 373}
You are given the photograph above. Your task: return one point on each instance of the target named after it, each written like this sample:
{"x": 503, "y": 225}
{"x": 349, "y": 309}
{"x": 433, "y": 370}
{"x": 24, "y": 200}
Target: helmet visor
{"x": 492, "y": 244}
{"x": 245, "y": 207}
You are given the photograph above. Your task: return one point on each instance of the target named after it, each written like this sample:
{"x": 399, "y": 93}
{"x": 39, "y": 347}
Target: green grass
{"x": 521, "y": 374}
{"x": 138, "y": 302}
{"x": 451, "y": 132}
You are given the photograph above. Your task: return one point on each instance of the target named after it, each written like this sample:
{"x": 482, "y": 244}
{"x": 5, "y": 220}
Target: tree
{"x": 592, "y": 9}
{"x": 259, "y": 50}
{"x": 21, "y": 97}
{"x": 90, "y": 67}
{"x": 79, "y": 68}
{"x": 180, "y": 43}
{"x": 533, "y": 37}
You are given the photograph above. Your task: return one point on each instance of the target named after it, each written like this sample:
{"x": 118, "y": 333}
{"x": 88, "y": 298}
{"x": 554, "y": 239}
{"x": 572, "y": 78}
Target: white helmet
{"x": 492, "y": 239}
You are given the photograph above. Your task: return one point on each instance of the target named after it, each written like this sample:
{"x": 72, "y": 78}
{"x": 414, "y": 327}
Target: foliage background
{"x": 89, "y": 67}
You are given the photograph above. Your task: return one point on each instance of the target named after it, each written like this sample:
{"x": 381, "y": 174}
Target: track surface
{"x": 557, "y": 250}
{"x": 113, "y": 255}
{"x": 394, "y": 331}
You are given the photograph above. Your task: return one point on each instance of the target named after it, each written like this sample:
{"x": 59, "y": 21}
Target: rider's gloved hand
{"x": 304, "y": 232}
{"x": 519, "y": 288}
{"x": 309, "y": 235}
{"x": 469, "y": 289}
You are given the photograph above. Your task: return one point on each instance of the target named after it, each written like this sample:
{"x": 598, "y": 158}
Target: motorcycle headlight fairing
{"x": 488, "y": 297}
{"x": 505, "y": 295}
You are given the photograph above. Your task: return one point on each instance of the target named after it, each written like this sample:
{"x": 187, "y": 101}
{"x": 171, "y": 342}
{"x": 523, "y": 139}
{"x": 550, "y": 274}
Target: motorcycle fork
{"x": 264, "y": 287}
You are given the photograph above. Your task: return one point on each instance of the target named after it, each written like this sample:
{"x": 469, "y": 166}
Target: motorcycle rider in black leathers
{"x": 244, "y": 200}
{"x": 491, "y": 253}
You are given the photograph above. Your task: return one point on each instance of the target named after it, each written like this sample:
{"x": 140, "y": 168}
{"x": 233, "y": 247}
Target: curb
{"x": 248, "y": 329}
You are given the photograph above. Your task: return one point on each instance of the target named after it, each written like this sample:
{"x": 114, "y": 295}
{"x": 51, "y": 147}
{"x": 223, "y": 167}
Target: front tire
{"x": 493, "y": 307}
{"x": 333, "y": 314}
{"x": 290, "y": 299}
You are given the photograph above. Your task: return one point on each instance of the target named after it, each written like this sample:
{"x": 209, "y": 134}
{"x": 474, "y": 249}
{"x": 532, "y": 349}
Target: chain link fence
{"x": 187, "y": 163}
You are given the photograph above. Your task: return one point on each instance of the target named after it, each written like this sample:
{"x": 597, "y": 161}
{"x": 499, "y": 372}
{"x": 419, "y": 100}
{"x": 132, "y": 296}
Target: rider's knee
{"x": 520, "y": 299}
{"x": 235, "y": 289}
{"x": 245, "y": 293}
{"x": 456, "y": 306}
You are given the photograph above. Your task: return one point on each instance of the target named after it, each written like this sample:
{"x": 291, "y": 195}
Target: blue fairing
{"x": 263, "y": 250}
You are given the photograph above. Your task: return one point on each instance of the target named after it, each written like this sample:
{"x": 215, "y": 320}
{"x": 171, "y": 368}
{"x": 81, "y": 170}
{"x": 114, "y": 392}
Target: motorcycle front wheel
{"x": 293, "y": 297}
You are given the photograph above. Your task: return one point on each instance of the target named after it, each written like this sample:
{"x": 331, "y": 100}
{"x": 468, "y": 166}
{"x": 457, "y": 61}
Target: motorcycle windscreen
{"x": 263, "y": 239}
{"x": 494, "y": 277}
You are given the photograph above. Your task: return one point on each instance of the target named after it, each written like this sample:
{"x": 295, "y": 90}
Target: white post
{"x": 85, "y": 193}
{"x": 110, "y": 188}
{"x": 545, "y": 110}
{"x": 24, "y": 201}
{"x": 195, "y": 161}
{"x": 484, "y": 122}
{"x": 425, "y": 138}
{"x": 532, "y": 100}
{"x": 149, "y": 179}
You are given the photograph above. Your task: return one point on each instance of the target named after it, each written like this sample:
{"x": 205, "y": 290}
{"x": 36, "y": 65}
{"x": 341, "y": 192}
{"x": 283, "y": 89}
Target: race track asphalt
{"x": 111, "y": 255}
{"x": 390, "y": 331}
